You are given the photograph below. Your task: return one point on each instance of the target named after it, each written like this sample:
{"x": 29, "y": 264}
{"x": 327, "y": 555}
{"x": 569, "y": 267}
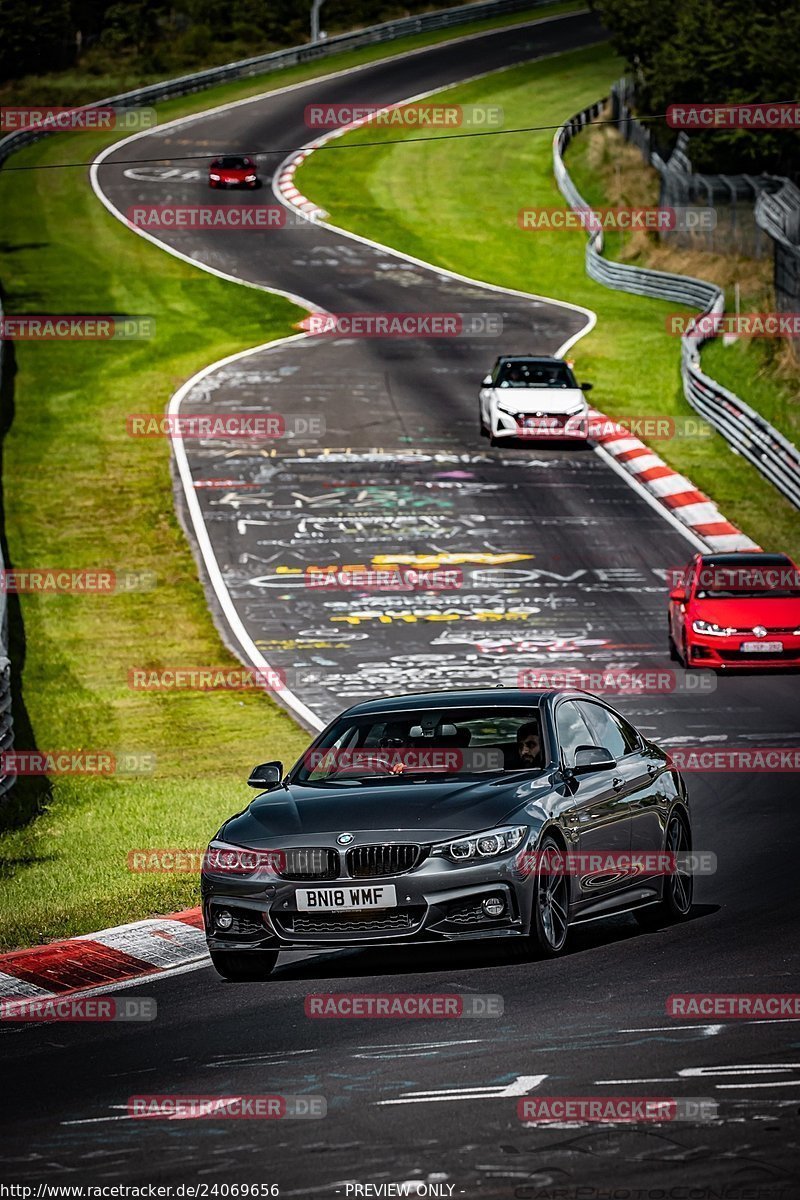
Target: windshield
{"x": 233, "y": 164}
{"x": 532, "y": 374}
{"x": 753, "y": 579}
{"x": 424, "y": 744}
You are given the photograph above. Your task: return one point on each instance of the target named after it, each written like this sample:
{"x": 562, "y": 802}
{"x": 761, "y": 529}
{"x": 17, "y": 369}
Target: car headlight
{"x": 711, "y": 629}
{"x": 481, "y": 845}
{"x": 249, "y": 178}
{"x": 223, "y": 859}
{"x": 214, "y": 177}
{"x": 578, "y": 407}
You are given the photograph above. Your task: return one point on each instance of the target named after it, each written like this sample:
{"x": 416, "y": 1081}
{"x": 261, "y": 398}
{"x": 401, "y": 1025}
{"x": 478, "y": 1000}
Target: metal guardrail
{"x": 748, "y": 433}
{"x": 263, "y": 64}
{"x": 6, "y": 723}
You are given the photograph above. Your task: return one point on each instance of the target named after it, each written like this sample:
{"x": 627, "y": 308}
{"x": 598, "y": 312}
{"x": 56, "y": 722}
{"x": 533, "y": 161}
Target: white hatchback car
{"x": 533, "y": 398}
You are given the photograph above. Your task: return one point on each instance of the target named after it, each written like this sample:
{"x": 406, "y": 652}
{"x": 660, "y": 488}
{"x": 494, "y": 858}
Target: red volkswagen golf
{"x": 232, "y": 170}
{"x": 736, "y": 610}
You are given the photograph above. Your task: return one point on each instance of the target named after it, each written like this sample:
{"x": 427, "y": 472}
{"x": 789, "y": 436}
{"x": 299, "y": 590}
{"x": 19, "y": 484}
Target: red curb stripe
{"x": 189, "y": 916}
{"x": 716, "y": 529}
{"x": 638, "y": 452}
{"x": 681, "y": 499}
{"x": 612, "y": 435}
{"x": 657, "y": 473}
{"x": 64, "y": 966}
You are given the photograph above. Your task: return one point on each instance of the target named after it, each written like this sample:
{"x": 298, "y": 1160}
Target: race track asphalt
{"x": 401, "y": 470}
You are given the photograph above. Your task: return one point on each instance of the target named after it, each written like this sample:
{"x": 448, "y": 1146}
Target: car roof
{"x": 735, "y": 558}
{"x": 498, "y": 697}
{"x": 542, "y": 358}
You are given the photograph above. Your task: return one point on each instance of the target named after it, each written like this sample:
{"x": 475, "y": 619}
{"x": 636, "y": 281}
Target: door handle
{"x": 617, "y": 783}
{"x": 652, "y": 770}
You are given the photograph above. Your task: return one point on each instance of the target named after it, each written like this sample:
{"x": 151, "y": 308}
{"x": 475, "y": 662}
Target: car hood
{"x": 423, "y": 812}
{"x": 539, "y": 400}
{"x": 773, "y": 613}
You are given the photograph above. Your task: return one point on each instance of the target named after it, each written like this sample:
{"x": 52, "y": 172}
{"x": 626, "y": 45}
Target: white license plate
{"x": 346, "y": 899}
{"x": 761, "y": 647}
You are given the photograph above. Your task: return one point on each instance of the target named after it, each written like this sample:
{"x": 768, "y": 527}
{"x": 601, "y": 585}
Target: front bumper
{"x": 548, "y": 427}
{"x": 723, "y": 653}
{"x": 437, "y": 902}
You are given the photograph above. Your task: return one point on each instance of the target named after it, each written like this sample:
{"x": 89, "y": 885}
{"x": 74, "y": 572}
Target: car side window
{"x": 572, "y": 731}
{"x": 609, "y": 731}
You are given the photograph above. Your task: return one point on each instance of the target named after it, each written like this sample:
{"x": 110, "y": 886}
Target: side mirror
{"x": 586, "y": 387}
{"x": 593, "y": 758}
{"x": 678, "y": 594}
{"x": 268, "y": 775}
{"x": 487, "y": 381}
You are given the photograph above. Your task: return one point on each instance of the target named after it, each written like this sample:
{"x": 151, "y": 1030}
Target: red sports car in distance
{"x": 736, "y": 610}
{"x": 232, "y": 170}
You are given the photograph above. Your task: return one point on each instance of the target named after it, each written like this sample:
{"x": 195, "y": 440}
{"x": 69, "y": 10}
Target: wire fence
{"x": 732, "y": 198}
{"x": 743, "y": 428}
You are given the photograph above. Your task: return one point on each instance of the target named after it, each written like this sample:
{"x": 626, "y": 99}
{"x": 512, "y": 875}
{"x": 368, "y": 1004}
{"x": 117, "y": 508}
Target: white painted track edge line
{"x": 308, "y": 149}
{"x": 201, "y": 532}
{"x": 638, "y": 486}
{"x": 235, "y": 623}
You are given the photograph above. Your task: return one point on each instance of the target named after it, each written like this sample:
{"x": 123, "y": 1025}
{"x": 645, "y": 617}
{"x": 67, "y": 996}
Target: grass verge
{"x": 457, "y": 204}
{"x": 79, "y": 493}
{"x": 761, "y": 371}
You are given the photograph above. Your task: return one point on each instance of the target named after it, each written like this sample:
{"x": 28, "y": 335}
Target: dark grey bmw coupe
{"x": 444, "y": 816}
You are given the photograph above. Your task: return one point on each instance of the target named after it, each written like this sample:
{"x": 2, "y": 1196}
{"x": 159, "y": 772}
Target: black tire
{"x": 241, "y": 965}
{"x": 484, "y": 432}
{"x": 676, "y": 903}
{"x": 549, "y": 929}
{"x": 673, "y": 649}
